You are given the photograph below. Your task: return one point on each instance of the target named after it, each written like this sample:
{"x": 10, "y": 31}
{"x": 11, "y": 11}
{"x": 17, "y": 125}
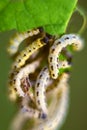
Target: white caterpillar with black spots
{"x": 41, "y": 85}
{"x": 56, "y": 48}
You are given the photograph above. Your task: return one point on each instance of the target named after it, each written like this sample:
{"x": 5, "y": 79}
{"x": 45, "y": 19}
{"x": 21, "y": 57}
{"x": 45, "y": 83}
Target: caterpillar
{"x": 25, "y": 54}
{"x": 61, "y": 106}
{"x": 41, "y": 83}
{"x": 61, "y": 102}
{"x": 56, "y": 48}
{"x": 23, "y": 73}
{"x": 18, "y": 38}
{"x": 41, "y": 86}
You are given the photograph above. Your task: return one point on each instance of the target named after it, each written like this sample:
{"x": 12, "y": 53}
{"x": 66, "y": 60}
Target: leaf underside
{"x": 24, "y": 15}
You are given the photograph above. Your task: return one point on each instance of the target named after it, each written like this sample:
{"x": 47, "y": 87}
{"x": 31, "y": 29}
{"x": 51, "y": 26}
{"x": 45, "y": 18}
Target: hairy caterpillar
{"x": 23, "y": 73}
{"x": 60, "y": 109}
{"x": 41, "y": 86}
{"x": 25, "y": 54}
{"x": 18, "y": 38}
{"x": 55, "y": 50}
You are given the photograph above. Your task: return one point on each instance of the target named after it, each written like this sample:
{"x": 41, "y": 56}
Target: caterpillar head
{"x": 78, "y": 45}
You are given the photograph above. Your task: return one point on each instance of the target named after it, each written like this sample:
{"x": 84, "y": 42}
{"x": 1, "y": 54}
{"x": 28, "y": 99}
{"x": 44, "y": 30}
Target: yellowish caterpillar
{"x": 25, "y": 54}
{"x": 41, "y": 86}
{"x": 56, "y": 117}
{"x": 18, "y": 38}
{"x": 55, "y": 50}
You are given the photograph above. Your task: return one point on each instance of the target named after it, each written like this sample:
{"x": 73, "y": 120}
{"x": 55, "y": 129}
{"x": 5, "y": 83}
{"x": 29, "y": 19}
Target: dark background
{"x": 77, "y": 115}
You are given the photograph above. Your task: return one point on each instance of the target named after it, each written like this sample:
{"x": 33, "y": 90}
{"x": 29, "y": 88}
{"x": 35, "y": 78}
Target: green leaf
{"x": 62, "y": 70}
{"x": 23, "y": 15}
{"x": 62, "y": 57}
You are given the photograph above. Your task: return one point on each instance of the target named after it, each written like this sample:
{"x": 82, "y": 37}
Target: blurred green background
{"x": 77, "y": 115}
